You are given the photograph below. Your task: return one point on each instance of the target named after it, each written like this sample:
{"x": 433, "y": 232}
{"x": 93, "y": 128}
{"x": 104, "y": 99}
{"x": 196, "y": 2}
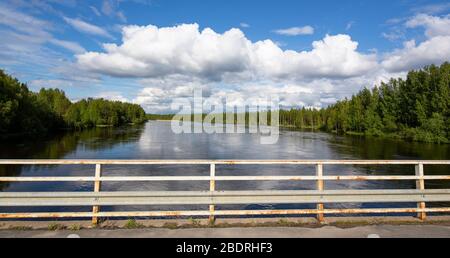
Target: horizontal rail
{"x": 220, "y": 198}
{"x": 218, "y": 178}
{"x": 223, "y": 162}
{"x": 215, "y": 213}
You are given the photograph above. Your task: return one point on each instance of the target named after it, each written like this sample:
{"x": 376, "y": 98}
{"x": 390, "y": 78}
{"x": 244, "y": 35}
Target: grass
{"x": 74, "y": 227}
{"x": 20, "y": 228}
{"x": 55, "y": 227}
{"x": 195, "y": 222}
{"x": 268, "y": 224}
{"x": 355, "y": 223}
{"x": 133, "y": 224}
{"x": 170, "y": 225}
{"x": 283, "y": 222}
{"x": 286, "y": 223}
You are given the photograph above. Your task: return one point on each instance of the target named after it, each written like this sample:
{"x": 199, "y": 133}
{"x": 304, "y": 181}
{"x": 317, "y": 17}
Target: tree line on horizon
{"x": 25, "y": 112}
{"x": 414, "y": 109}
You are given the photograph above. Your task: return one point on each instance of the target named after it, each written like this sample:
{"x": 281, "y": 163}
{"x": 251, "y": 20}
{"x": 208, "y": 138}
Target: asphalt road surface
{"x": 376, "y": 231}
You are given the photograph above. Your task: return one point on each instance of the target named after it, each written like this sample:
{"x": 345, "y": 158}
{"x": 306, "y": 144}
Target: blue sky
{"x": 310, "y": 53}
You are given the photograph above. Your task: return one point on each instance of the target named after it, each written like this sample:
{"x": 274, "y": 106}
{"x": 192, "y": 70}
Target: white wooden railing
{"x": 212, "y": 197}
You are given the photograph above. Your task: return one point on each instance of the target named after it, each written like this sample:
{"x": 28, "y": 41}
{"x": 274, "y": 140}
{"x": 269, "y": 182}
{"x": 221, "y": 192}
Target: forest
{"x": 160, "y": 117}
{"x": 25, "y": 112}
{"x": 413, "y": 109}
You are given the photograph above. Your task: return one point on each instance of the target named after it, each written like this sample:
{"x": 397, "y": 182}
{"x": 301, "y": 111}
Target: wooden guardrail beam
{"x": 220, "y": 197}
{"x": 219, "y": 162}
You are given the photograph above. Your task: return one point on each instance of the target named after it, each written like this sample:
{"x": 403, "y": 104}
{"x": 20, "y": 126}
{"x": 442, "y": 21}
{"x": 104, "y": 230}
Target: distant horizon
{"x": 310, "y": 54}
{"x": 281, "y": 108}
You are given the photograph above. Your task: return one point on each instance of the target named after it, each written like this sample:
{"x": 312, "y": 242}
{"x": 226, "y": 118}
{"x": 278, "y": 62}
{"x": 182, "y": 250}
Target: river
{"x": 155, "y": 140}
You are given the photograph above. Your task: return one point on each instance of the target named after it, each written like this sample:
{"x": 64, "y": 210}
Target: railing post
{"x": 420, "y": 185}
{"x": 97, "y": 188}
{"x": 212, "y": 188}
{"x": 320, "y": 187}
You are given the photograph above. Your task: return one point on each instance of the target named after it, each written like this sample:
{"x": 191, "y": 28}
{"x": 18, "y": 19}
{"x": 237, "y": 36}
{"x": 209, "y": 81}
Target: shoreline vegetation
{"x": 27, "y": 113}
{"x": 416, "y": 109}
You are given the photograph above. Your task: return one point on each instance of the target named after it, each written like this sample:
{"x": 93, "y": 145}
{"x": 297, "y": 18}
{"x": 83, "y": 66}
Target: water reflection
{"x": 60, "y": 146}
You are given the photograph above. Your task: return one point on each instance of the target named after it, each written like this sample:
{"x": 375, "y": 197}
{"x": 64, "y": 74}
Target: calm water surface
{"x": 155, "y": 140}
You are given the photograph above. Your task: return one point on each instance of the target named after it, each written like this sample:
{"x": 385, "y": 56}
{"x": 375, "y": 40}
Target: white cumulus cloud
{"x": 434, "y": 50}
{"x": 435, "y": 26}
{"x": 149, "y": 51}
{"x": 170, "y": 62}
{"x": 334, "y": 56}
{"x": 112, "y": 95}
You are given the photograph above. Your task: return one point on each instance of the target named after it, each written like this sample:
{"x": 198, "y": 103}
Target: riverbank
{"x": 406, "y": 136}
{"x": 48, "y": 136}
{"x": 191, "y": 223}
